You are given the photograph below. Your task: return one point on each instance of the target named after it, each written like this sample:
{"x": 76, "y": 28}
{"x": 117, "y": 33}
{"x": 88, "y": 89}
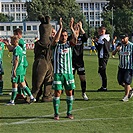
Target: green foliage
{"x": 56, "y": 9}
{"x": 119, "y": 4}
{"x": 121, "y": 13}
{"x": 3, "y": 18}
{"x": 34, "y": 8}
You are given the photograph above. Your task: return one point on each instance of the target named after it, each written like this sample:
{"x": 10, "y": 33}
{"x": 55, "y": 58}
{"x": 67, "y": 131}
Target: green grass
{"x": 103, "y": 113}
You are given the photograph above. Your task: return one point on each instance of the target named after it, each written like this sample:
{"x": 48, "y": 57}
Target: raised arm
{"x": 75, "y": 31}
{"x": 57, "y": 36}
{"x": 81, "y": 28}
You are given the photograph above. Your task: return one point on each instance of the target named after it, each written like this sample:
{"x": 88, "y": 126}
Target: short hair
{"x": 18, "y": 30}
{"x": 102, "y": 27}
{"x": 64, "y": 30}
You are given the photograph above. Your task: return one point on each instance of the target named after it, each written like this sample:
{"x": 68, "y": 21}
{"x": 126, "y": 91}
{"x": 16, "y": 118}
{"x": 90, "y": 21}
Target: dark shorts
{"x": 124, "y": 76}
{"x": 79, "y": 68}
{"x": 93, "y": 47}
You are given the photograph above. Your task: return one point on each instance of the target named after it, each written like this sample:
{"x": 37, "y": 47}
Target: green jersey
{"x": 1, "y": 50}
{"x": 22, "y": 44}
{"x": 63, "y": 58}
{"x": 18, "y": 52}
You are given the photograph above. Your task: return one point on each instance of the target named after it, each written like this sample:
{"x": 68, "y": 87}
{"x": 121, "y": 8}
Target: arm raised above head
{"x": 57, "y": 36}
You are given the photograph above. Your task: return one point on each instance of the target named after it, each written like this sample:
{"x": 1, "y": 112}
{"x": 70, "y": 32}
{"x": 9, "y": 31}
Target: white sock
{"x": 31, "y": 97}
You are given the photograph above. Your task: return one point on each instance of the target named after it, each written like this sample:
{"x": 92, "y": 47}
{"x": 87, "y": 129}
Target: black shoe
{"x": 102, "y": 89}
{"x": 130, "y": 93}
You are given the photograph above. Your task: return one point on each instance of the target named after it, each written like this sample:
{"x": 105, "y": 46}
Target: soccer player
{"x": 18, "y": 71}
{"x": 103, "y": 46}
{"x": 93, "y": 48}
{"x": 77, "y": 57}
{"x": 1, "y": 67}
{"x": 22, "y": 44}
{"x": 63, "y": 75}
{"x": 124, "y": 76}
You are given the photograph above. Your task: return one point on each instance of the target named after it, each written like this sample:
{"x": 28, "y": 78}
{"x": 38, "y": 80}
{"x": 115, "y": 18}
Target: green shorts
{"x": 66, "y": 80}
{"x": 18, "y": 79}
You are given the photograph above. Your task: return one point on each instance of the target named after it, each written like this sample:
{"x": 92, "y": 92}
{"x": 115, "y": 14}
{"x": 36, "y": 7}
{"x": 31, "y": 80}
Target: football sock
{"x": 56, "y": 104}
{"x": 27, "y": 90}
{"x": 14, "y": 93}
{"x": 69, "y": 104}
{"x": 19, "y": 90}
{"x": 83, "y": 86}
{"x": 25, "y": 94}
{"x": 1, "y": 86}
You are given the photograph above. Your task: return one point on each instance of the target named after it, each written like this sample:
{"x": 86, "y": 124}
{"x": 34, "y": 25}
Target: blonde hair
{"x": 14, "y": 39}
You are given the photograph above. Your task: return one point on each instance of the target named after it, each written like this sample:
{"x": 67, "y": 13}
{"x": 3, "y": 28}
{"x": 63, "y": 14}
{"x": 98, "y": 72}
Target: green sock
{"x": 19, "y": 90}
{"x": 14, "y": 93}
{"x": 1, "y": 86}
{"x": 23, "y": 91}
{"x": 27, "y": 90}
{"x": 69, "y": 104}
{"x": 56, "y": 104}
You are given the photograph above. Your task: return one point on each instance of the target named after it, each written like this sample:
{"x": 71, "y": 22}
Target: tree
{"x": 56, "y": 9}
{"x": 122, "y": 18}
{"x": 34, "y": 8}
{"x": 5, "y": 18}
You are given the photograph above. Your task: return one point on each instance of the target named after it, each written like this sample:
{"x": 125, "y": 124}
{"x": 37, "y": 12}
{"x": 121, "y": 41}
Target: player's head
{"x": 101, "y": 30}
{"x": 64, "y": 36}
{"x": 124, "y": 38}
{"x": 18, "y": 32}
{"x": 14, "y": 40}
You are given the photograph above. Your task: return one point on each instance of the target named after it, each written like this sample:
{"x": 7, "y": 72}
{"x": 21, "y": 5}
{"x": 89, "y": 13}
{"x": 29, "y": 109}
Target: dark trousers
{"x": 102, "y": 70}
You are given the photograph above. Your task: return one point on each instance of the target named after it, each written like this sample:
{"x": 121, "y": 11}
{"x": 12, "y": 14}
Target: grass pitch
{"x": 103, "y": 113}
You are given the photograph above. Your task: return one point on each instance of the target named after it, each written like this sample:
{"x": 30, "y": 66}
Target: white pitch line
{"x": 68, "y": 120}
{"x": 29, "y": 120}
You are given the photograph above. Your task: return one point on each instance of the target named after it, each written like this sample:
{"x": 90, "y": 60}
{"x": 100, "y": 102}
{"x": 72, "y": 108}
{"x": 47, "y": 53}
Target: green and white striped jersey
{"x": 63, "y": 58}
{"x": 126, "y": 56}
